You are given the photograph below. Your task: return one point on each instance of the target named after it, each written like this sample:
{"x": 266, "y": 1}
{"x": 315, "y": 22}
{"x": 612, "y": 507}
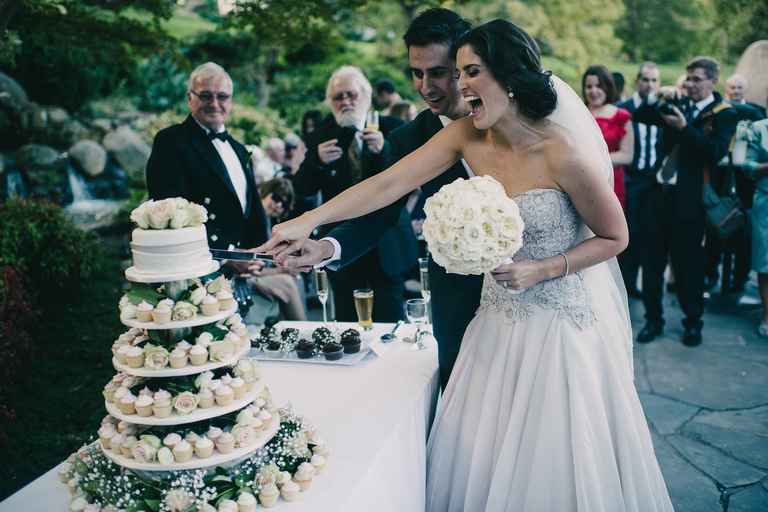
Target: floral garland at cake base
{"x": 284, "y": 467}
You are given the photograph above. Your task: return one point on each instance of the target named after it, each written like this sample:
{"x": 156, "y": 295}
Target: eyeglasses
{"x": 351, "y": 95}
{"x": 696, "y": 79}
{"x": 208, "y": 97}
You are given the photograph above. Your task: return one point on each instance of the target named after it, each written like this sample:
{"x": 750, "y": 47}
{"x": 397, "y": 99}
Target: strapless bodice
{"x": 552, "y": 226}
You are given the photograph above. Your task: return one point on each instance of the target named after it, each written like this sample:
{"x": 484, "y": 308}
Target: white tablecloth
{"x": 374, "y": 416}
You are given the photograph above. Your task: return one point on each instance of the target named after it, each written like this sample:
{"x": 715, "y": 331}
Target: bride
{"x": 541, "y": 412}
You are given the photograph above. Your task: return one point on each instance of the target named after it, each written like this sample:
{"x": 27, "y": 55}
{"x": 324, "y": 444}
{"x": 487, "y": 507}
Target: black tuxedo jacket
{"x": 396, "y": 244}
{"x": 455, "y": 298}
{"x": 703, "y": 143}
{"x": 184, "y": 163}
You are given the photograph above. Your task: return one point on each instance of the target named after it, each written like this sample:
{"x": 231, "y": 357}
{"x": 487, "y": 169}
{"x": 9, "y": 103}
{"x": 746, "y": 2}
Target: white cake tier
{"x": 196, "y": 415}
{"x": 217, "y": 459}
{"x": 163, "y": 255}
{"x": 200, "y": 319}
{"x": 190, "y": 369}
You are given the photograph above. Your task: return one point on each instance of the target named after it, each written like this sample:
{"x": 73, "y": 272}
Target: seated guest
{"x": 277, "y": 198}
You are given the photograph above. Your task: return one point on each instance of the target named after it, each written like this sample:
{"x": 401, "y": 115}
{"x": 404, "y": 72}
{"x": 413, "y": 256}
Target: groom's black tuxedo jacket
{"x": 184, "y": 163}
{"x": 455, "y": 298}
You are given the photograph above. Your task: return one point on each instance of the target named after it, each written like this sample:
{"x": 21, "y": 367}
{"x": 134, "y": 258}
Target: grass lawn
{"x": 58, "y": 400}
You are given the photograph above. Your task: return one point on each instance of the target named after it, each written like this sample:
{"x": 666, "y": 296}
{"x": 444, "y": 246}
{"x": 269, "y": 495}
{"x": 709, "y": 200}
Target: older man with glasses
{"x": 342, "y": 151}
{"x": 200, "y": 161}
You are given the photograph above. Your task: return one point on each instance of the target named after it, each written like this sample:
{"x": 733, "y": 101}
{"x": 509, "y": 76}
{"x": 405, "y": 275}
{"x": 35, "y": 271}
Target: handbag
{"x": 724, "y": 213}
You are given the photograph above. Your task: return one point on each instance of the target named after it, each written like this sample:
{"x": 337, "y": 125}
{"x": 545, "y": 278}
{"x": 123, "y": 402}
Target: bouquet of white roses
{"x": 174, "y": 213}
{"x": 472, "y": 226}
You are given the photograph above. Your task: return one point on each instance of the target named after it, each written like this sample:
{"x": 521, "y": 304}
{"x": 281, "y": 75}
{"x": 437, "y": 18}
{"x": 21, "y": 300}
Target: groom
{"x": 454, "y": 297}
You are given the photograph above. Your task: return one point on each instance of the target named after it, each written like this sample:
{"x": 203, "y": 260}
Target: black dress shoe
{"x": 692, "y": 336}
{"x": 650, "y": 332}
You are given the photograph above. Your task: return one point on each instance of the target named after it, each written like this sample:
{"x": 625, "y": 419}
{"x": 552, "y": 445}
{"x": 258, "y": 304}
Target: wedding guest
{"x": 309, "y": 122}
{"x": 640, "y": 175}
{"x": 404, "y": 110}
{"x": 756, "y": 166}
{"x": 619, "y": 82}
{"x": 386, "y": 96}
{"x": 696, "y": 133}
{"x": 200, "y": 161}
{"x": 340, "y": 153}
{"x": 277, "y": 198}
{"x": 599, "y": 93}
{"x": 735, "y": 88}
{"x": 274, "y": 148}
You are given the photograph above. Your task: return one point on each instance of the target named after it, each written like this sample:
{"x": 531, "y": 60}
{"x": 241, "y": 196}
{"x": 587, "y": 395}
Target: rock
{"x": 12, "y": 95}
{"x": 72, "y": 132}
{"x": 57, "y": 116}
{"x": 666, "y": 415}
{"x": 129, "y": 150}
{"x": 689, "y": 490}
{"x": 724, "y": 470}
{"x": 36, "y": 157}
{"x": 89, "y": 156}
{"x": 103, "y": 126}
{"x": 740, "y": 434}
{"x": 751, "y": 499}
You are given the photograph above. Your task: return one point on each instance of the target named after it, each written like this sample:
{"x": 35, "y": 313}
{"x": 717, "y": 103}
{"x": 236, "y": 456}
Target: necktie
{"x": 222, "y": 136}
{"x": 355, "y": 159}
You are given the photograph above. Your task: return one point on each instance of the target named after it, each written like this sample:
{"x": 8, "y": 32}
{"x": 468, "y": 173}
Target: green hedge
{"x": 52, "y": 254}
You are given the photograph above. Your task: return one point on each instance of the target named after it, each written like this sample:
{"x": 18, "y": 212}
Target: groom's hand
{"x": 312, "y": 253}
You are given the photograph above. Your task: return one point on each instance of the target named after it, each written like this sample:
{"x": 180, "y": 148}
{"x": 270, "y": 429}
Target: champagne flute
{"x": 372, "y": 121}
{"x": 424, "y": 277}
{"x": 321, "y": 283}
{"x": 416, "y": 312}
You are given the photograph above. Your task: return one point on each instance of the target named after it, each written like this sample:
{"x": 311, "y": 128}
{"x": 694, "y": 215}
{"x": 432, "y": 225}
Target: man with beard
{"x": 341, "y": 152}
{"x": 454, "y": 297}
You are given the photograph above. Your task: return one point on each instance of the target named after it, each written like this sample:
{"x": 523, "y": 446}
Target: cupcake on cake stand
{"x": 190, "y": 423}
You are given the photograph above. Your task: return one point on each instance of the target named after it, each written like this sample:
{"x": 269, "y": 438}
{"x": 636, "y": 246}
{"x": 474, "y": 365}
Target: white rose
{"x": 222, "y": 350}
{"x": 216, "y": 285}
{"x": 128, "y": 312}
{"x": 198, "y": 295}
{"x": 139, "y": 215}
{"x": 244, "y": 370}
{"x": 160, "y": 214}
{"x": 152, "y": 441}
{"x": 178, "y": 500}
{"x": 197, "y": 214}
{"x": 244, "y": 435}
{"x": 179, "y": 218}
{"x": 155, "y": 357}
{"x": 144, "y": 452}
{"x": 185, "y": 402}
{"x": 204, "y": 380}
{"x": 165, "y": 456}
{"x": 184, "y": 311}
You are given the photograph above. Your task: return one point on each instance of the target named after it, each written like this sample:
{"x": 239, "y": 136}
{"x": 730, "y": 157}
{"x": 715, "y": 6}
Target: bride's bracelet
{"x": 567, "y": 265}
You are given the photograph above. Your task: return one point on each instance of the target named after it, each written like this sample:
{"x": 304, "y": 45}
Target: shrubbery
{"x": 52, "y": 254}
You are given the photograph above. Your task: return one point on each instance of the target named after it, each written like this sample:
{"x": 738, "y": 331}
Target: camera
{"x": 665, "y": 106}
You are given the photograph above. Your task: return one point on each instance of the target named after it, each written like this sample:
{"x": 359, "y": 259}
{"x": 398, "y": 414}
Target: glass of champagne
{"x": 416, "y": 312}
{"x": 364, "y": 307}
{"x": 321, "y": 283}
{"x": 372, "y": 121}
{"x": 424, "y": 277}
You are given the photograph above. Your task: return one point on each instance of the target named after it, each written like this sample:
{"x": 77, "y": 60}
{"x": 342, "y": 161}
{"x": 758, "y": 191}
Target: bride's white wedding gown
{"x": 541, "y": 412}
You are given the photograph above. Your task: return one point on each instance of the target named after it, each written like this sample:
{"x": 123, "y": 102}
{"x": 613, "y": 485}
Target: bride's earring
{"x": 511, "y": 95}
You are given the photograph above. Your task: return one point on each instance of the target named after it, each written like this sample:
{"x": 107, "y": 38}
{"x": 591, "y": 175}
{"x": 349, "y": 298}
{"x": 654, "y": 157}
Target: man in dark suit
{"x": 696, "y": 132}
{"x": 455, "y": 298}
{"x": 199, "y": 161}
{"x": 640, "y": 177}
{"x": 341, "y": 152}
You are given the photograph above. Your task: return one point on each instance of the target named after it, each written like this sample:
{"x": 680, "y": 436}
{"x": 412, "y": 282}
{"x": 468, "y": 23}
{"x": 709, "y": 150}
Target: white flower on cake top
{"x": 472, "y": 226}
{"x": 173, "y": 213}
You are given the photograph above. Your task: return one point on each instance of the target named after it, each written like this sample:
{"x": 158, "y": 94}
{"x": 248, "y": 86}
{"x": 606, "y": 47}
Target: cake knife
{"x": 222, "y": 254}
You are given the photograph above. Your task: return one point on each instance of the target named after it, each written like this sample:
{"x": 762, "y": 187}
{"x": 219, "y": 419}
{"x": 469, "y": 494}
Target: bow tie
{"x": 222, "y": 136}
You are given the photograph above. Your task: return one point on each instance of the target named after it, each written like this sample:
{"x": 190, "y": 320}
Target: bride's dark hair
{"x": 513, "y": 58}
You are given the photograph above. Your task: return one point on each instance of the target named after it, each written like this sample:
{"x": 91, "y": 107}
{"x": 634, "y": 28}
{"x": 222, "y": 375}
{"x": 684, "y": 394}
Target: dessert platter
{"x": 320, "y": 345}
{"x": 191, "y": 426}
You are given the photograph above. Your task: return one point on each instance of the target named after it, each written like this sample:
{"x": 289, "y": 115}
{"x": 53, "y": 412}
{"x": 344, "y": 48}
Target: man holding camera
{"x": 696, "y": 131}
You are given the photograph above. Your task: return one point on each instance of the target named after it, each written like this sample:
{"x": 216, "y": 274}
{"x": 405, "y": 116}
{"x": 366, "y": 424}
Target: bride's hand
{"x": 287, "y": 237}
{"x": 518, "y": 275}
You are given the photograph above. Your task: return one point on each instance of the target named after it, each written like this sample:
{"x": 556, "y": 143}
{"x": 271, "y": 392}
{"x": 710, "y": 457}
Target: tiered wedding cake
{"x": 191, "y": 426}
